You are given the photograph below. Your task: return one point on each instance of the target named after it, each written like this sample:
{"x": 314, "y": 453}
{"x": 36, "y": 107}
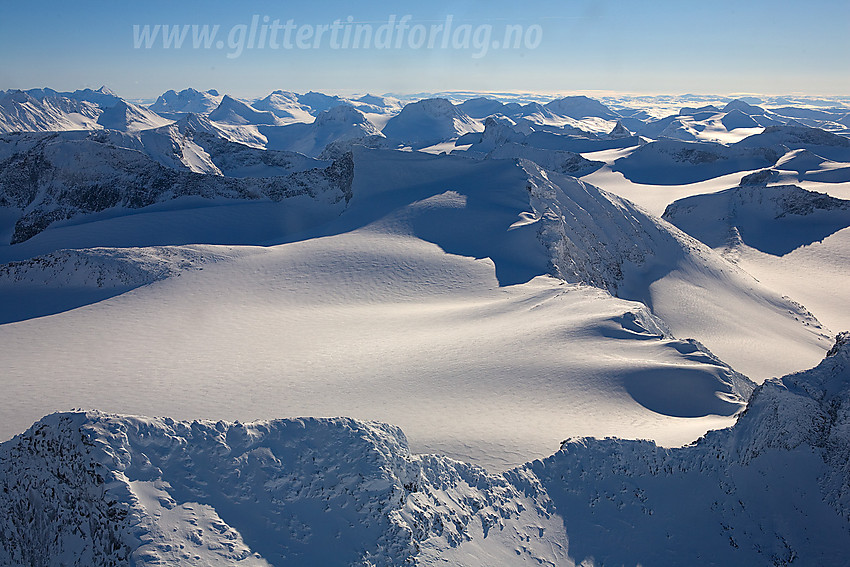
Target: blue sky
{"x": 642, "y": 46}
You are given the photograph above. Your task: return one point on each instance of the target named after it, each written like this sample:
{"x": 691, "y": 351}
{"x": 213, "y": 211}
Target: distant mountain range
{"x": 500, "y": 275}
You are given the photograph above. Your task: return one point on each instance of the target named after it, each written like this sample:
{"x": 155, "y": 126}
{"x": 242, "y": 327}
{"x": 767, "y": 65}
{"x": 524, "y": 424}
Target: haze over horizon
{"x": 638, "y": 47}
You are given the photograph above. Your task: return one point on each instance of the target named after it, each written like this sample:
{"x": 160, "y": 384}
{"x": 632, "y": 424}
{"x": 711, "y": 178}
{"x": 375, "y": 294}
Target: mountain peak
{"x": 742, "y": 106}
{"x": 619, "y": 131}
{"x": 579, "y": 107}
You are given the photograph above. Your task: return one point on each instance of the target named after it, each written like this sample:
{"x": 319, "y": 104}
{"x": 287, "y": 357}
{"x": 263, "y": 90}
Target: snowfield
{"x": 285, "y": 276}
{"x": 92, "y": 488}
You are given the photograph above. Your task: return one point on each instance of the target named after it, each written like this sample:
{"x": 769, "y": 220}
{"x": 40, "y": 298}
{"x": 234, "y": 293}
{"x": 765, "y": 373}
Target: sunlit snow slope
{"x": 429, "y": 303}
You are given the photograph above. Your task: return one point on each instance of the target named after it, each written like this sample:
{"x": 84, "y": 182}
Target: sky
{"x": 635, "y": 46}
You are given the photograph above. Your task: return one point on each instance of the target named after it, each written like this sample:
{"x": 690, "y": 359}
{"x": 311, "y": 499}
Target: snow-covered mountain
{"x": 102, "y": 97}
{"x": 775, "y": 219}
{"x": 484, "y": 238}
{"x": 558, "y": 161}
{"x": 284, "y": 105}
{"x": 114, "y": 490}
{"x": 826, "y": 144}
{"x": 239, "y": 113}
{"x": 483, "y": 107}
{"x": 46, "y": 179}
{"x": 46, "y": 110}
{"x": 320, "y": 102}
{"x": 196, "y": 144}
{"x": 172, "y": 103}
{"x": 286, "y": 258}
{"x": 337, "y": 124}
{"x": 21, "y": 112}
{"x": 429, "y": 122}
{"x": 579, "y": 107}
{"x": 125, "y": 116}
{"x": 673, "y": 162}
{"x": 501, "y": 130}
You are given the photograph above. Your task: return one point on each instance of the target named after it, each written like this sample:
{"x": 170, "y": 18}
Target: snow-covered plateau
{"x": 661, "y": 281}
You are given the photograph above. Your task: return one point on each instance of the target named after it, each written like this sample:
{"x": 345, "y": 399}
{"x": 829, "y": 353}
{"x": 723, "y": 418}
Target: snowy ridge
{"x": 114, "y": 490}
{"x": 302, "y": 491}
{"x": 21, "y": 112}
{"x": 105, "y": 267}
{"x": 52, "y": 179}
{"x": 771, "y": 490}
{"x": 674, "y": 162}
{"x": 775, "y": 219}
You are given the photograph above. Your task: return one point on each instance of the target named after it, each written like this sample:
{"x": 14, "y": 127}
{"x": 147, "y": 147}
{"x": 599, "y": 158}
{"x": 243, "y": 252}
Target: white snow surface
{"x": 92, "y": 488}
{"x": 429, "y": 296}
{"x": 486, "y": 302}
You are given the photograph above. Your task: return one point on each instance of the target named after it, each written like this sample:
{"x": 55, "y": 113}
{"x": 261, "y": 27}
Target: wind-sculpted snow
{"x": 772, "y": 490}
{"x": 775, "y": 219}
{"x": 92, "y": 488}
{"x": 51, "y": 180}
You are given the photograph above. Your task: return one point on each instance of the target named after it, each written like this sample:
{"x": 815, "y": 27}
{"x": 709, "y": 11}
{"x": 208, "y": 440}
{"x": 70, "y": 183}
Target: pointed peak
{"x": 620, "y": 131}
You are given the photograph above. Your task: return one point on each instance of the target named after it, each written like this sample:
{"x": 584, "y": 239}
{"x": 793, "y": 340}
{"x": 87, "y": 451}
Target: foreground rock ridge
{"x": 88, "y": 488}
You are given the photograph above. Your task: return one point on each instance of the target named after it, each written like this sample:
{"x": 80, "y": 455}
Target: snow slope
{"x": 125, "y": 116}
{"x": 674, "y": 162}
{"x": 48, "y": 179}
{"x": 93, "y": 488}
{"x": 284, "y": 105}
{"x": 428, "y": 122}
{"x": 239, "y": 113}
{"x": 337, "y": 124}
{"x": 21, "y": 112}
{"x": 775, "y": 219}
{"x": 67, "y": 279}
{"x": 792, "y": 240}
{"x": 431, "y": 293}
